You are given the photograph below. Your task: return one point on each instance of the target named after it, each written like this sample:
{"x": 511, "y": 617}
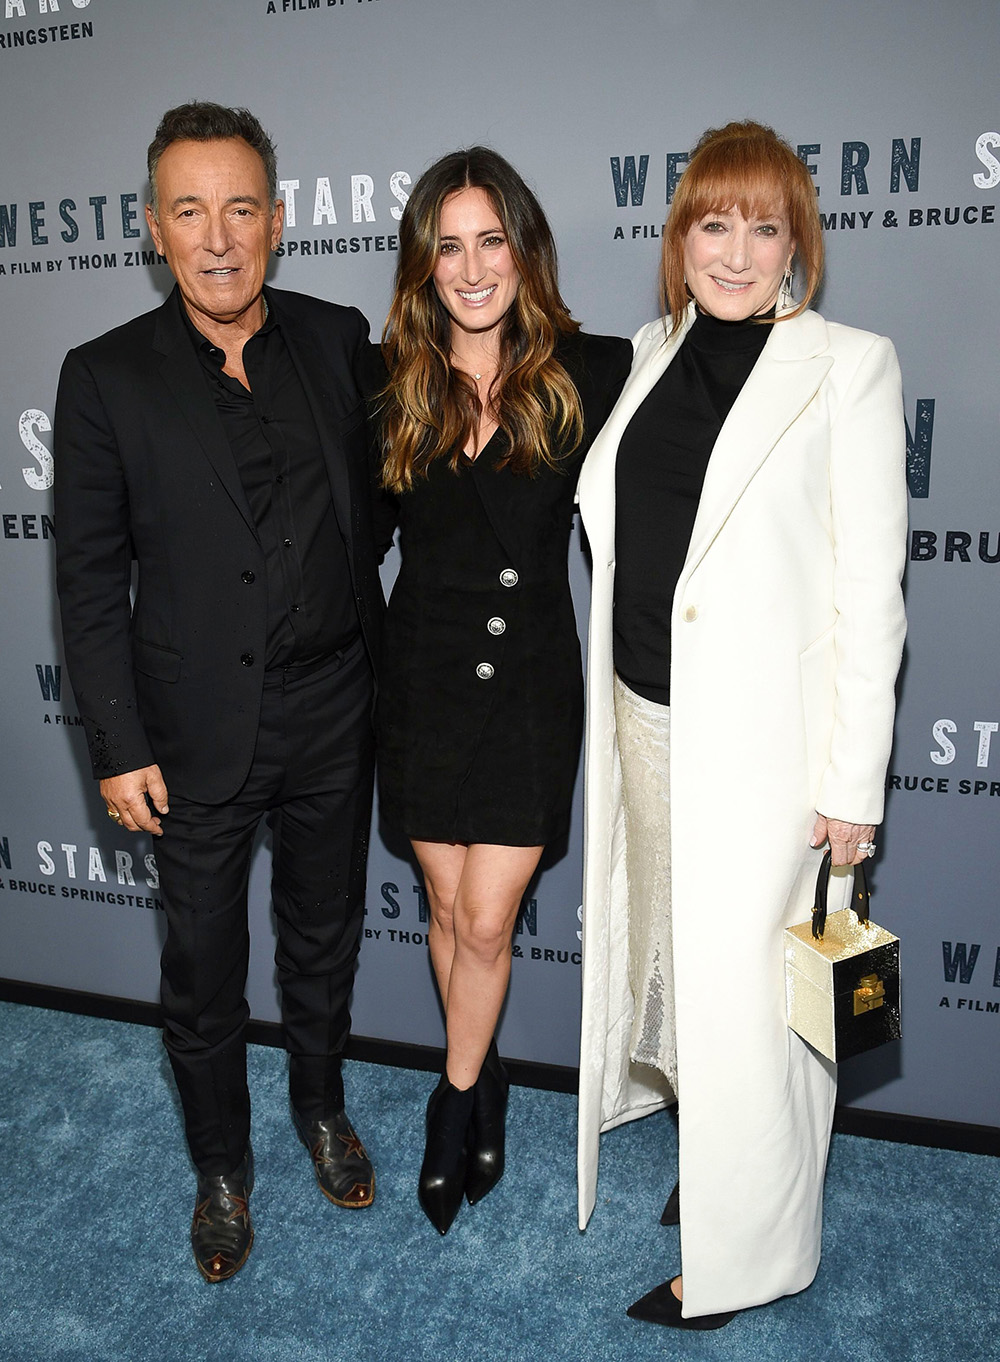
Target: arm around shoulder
{"x": 606, "y": 363}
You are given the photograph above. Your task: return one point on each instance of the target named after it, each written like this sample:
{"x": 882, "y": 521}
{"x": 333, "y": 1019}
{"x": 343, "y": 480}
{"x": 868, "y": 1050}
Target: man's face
{"x": 215, "y": 227}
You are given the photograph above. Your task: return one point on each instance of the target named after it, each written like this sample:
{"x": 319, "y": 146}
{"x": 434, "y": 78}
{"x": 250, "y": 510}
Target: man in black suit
{"x": 219, "y": 443}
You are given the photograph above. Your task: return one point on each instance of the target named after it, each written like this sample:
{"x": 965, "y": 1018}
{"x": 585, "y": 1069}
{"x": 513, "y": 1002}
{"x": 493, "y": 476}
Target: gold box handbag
{"x": 842, "y": 975}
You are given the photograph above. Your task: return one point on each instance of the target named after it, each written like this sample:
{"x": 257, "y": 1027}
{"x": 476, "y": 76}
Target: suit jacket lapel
{"x": 314, "y": 371}
{"x": 181, "y": 371}
{"x": 783, "y": 382}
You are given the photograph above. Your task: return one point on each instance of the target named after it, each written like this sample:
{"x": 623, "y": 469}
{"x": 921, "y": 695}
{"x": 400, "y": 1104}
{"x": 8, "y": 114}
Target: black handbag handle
{"x": 860, "y": 901}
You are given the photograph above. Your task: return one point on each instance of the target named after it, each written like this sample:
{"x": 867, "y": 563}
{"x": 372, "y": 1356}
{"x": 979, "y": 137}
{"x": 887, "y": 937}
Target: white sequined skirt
{"x": 643, "y": 729}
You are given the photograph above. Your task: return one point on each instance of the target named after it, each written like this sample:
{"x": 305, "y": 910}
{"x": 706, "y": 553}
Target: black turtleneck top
{"x": 662, "y": 459}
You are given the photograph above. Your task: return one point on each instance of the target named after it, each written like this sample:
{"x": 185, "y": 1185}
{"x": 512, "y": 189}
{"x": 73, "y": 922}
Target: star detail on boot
{"x": 201, "y": 1216}
{"x": 353, "y": 1146}
{"x": 318, "y": 1153}
{"x": 240, "y": 1211}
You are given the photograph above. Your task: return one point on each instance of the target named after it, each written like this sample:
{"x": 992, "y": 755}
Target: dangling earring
{"x": 785, "y": 300}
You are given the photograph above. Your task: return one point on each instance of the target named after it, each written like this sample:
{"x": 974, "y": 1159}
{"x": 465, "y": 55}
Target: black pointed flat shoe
{"x": 221, "y": 1228}
{"x": 343, "y": 1169}
{"x": 672, "y": 1210}
{"x": 442, "y": 1174}
{"x": 487, "y": 1128}
{"x": 661, "y": 1306}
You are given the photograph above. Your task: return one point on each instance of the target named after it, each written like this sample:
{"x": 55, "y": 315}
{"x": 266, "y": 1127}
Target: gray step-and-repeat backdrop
{"x": 894, "y": 109}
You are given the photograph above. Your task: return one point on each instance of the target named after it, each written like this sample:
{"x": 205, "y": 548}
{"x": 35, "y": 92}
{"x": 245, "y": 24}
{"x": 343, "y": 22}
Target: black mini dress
{"x": 480, "y": 708}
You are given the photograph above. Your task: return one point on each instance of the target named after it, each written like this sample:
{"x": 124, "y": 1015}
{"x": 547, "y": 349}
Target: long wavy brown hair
{"x": 429, "y": 410}
{"x": 747, "y": 166}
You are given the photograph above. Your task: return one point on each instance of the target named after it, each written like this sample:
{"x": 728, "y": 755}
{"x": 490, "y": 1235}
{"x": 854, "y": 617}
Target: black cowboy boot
{"x": 221, "y": 1230}
{"x": 343, "y": 1169}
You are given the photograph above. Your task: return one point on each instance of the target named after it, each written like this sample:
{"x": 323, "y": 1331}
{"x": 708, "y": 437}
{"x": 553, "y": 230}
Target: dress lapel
{"x": 497, "y": 491}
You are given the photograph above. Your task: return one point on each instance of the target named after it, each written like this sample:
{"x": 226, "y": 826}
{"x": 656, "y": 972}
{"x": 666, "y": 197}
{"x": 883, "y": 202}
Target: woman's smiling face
{"x": 733, "y": 266}
{"x": 475, "y": 277}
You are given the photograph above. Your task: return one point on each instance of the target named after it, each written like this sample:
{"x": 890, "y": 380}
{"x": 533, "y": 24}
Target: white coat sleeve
{"x": 868, "y": 497}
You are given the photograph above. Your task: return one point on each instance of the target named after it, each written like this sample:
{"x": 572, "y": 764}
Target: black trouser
{"x": 312, "y": 776}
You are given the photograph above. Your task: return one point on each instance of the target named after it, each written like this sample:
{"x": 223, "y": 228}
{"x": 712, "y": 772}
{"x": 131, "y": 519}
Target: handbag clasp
{"x": 869, "y": 994}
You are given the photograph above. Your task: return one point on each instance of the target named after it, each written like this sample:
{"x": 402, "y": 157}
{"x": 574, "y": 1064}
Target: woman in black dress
{"x": 492, "y": 398}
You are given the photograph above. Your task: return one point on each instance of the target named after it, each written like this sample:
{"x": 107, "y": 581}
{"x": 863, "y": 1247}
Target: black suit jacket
{"x": 145, "y": 475}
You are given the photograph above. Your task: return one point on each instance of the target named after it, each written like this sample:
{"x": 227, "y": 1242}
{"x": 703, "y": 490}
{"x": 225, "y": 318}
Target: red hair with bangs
{"x": 749, "y": 167}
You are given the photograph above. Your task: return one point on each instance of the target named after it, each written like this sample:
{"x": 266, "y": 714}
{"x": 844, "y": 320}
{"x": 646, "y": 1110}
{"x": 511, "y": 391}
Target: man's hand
{"x": 843, "y": 838}
{"x": 126, "y": 794}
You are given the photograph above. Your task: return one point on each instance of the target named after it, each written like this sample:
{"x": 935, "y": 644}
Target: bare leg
{"x": 474, "y": 894}
{"x": 442, "y": 864}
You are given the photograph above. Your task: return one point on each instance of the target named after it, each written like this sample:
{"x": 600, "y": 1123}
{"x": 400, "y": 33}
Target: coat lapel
{"x": 791, "y": 368}
{"x": 181, "y": 372}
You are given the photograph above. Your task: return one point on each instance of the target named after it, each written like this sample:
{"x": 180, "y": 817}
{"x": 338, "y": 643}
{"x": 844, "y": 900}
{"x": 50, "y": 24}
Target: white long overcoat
{"x": 787, "y": 631}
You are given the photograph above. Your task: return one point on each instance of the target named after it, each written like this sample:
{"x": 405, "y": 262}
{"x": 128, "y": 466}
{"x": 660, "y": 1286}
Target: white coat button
{"x": 484, "y": 671}
{"x": 496, "y": 625}
{"x": 690, "y": 614}
{"x": 508, "y": 577}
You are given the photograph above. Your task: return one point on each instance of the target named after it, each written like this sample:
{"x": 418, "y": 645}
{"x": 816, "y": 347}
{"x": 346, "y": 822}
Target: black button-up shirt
{"x": 311, "y": 611}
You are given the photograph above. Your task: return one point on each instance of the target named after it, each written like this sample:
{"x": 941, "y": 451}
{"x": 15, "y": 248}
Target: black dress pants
{"x": 312, "y": 776}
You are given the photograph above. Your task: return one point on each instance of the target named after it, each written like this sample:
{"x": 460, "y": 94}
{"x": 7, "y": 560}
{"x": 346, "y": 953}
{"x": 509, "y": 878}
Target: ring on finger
{"x": 114, "y": 815}
{"x": 868, "y": 848}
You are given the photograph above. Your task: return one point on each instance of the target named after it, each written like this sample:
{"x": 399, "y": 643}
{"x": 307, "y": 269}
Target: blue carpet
{"x": 96, "y": 1195}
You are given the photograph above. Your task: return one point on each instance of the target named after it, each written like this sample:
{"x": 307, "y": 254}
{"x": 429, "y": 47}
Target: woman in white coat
{"x": 746, "y": 510}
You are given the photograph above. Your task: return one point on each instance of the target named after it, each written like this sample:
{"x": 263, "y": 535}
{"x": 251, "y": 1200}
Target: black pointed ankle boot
{"x": 442, "y": 1175}
{"x": 487, "y": 1130}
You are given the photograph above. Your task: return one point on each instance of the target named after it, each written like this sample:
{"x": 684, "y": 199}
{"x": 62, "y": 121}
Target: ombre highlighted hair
{"x": 749, "y": 167}
{"x": 429, "y": 410}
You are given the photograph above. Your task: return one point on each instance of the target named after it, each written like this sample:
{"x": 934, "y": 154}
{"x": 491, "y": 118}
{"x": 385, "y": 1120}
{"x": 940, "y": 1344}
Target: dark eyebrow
{"x": 489, "y": 231}
{"x": 236, "y": 198}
